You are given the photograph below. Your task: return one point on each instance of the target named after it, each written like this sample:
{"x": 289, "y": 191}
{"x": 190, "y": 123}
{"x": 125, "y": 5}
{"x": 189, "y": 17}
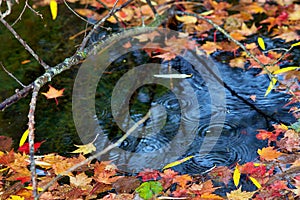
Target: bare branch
{"x": 31, "y": 123}
{"x": 11, "y": 75}
{"x": 25, "y": 45}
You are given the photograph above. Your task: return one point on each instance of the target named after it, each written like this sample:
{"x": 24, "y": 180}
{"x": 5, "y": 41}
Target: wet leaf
{"x": 221, "y": 173}
{"x": 25, "y": 147}
{"x": 53, "y": 93}
{"x": 149, "y": 174}
{"x": 15, "y": 197}
{"x": 149, "y": 189}
{"x": 53, "y": 9}
{"x": 236, "y": 176}
{"x": 80, "y": 181}
{"x": 85, "y": 149}
{"x": 268, "y": 153}
{"x": 182, "y": 180}
{"x": 286, "y": 69}
{"x": 174, "y": 76}
{"x": 271, "y": 86}
{"x": 255, "y": 182}
{"x": 24, "y": 137}
{"x": 239, "y": 195}
{"x": 178, "y": 162}
{"x": 261, "y": 43}
{"x": 187, "y": 19}
{"x": 203, "y": 188}
{"x": 295, "y": 44}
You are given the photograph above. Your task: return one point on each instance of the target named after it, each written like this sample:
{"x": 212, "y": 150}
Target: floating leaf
{"x": 173, "y": 75}
{"x": 239, "y": 195}
{"x": 236, "y": 176}
{"x": 286, "y": 69}
{"x": 85, "y": 149}
{"x": 296, "y": 44}
{"x": 24, "y": 137}
{"x": 53, "y": 9}
{"x": 178, "y": 162}
{"x": 271, "y": 85}
{"x": 268, "y": 153}
{"x": 261, "y": 43}
{"x": 53, "y": 93}
{"x": 255, "y": 182}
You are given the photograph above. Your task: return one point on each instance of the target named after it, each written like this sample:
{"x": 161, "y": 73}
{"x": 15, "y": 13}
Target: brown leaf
{"x": 221, "y": 173}
{"x": 126, "y": 184}
{"x": 5, "y": 143}
{"x": 81, "y": 181}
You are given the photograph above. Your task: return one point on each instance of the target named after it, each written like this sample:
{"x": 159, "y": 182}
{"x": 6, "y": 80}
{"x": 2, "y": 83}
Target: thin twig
{"x": 107, "y": 149}
{"x": 22, "y": 12}
{"x": 24, "y": 44}
{"x": 107, "y": 8}
{"x": 75, "y": 13}
{"x": 113, "y": 10}
{"x": 11, "y": 75}
{"x": 34, "y": 11}
{"x": 31, "y": 123}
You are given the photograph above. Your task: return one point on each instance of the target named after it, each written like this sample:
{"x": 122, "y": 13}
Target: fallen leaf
{"x": 85, "y": 149}
{"x": 239, "y": 195}
{"x": 53, "y": 93}
{"x": 53, "y": 9}
{"x": 253, "y": 97}
{"x": 25, "y": 147}
{"x": 236, "y": 175}
{"x": 81, "y": 181}
{"x": 268, "y": 153}
{"x": 186, "y": 19}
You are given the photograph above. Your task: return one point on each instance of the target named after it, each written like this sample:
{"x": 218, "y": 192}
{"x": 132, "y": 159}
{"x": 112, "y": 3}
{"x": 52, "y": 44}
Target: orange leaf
{"x": 182, "y": 180}
{"x": 53, "y": 93}
{"x": 268, "y": 153}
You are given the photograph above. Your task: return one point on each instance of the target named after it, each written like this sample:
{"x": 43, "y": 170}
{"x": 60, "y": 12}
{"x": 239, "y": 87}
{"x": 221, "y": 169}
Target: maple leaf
{"x": 167, "y": 178}
{"x": 203, "y": 188}
{"x": 81, "y": 181}
{"x": 290, "y": 141}
{"x": 238, "y": 62}
{"x": 210, "y": 47}
{"x": 268, "y": 153}
{"x": 149, "y": 174}
{"x": 85, "y": 149}
{"x": 221, "y": 173}
{"x": 263, "y": 135}
{"x": 53, "y": 93}
{"x": 104, "y": 172}
{"x": 239, "y": 195}
{"x": 182, "y": 180}
{"x": 25, "y": 147}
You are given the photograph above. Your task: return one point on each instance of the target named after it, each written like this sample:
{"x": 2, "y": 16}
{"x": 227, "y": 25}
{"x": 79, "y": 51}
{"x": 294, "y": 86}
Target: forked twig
{"x": 11, "y": 75}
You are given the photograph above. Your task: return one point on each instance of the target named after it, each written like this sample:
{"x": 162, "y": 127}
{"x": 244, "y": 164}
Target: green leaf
{"x": 236, "y": 176}
{"x": 261, "y": 43}
{"x": 178, "y": 162}
{"x": 271, "y": 86}
{"x": 255, "y": 182}
{"x": 53, "y": 9}
{"x": 24, "y": 137}
{"x": 286, "y": 69}
{"x": 296, "y": 44}
{"x": 148, "y": 189}
{"x": 296, "y": 126}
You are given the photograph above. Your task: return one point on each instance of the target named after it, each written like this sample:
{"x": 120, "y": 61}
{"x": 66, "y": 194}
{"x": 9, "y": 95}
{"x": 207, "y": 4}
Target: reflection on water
{"x": 187, "y": 118}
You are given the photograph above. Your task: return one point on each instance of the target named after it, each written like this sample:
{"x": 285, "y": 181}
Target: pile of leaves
{"x": 276, "y": 174}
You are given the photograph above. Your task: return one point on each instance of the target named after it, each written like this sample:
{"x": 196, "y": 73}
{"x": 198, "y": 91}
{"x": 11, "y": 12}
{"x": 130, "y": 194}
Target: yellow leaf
{"x": 85, "y": 149}
{"x": 2, "y": 170}
{"x": 178, "y": 162}
{"x": 296, "y": 44}
{"x": 286, "y": 69}
{"x": 187, "y": 19}
{"x": 15, "y": 197}
{"x": 24, "y": 137}
{"x": 255, "y": 182}
{"x": 271, "y": 85}
{"x": 30, "y": 188}
{"x": 236, "y": 176}
{"x": 261, "y": 43}
{"x": 53, "y": 9}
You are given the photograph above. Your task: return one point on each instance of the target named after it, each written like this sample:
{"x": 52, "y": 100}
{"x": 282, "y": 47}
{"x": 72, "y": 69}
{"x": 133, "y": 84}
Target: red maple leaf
{"x": 149, "y": 174}
{"x": 25, "y": 147}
